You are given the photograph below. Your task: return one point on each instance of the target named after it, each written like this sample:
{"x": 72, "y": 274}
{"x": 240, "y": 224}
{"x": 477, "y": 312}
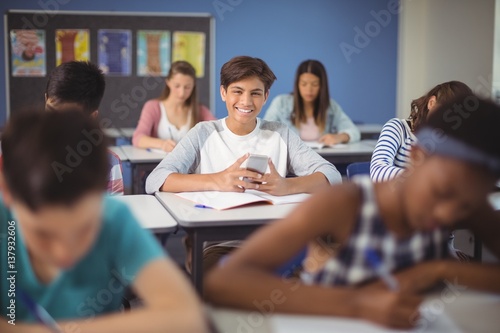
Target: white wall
{"x": 496, "y": 54}
{"x": 443, "y": 40}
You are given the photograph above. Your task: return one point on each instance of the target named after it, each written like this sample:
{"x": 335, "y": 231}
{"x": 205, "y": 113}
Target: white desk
{"x": 118, "y": 151}
{"x": 127, "y": 132}
{"x": 214, "y": 225}
{"x": 149, "y": 212}
{"x": 466, "y": 311}
{"x": 352, "y": 152}
{"x": 140, "y": 155}
{"x": 142, "y": 162}
{"x": 112, "y": 132}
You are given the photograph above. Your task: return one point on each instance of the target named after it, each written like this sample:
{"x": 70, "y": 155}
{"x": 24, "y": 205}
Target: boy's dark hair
{"x": 322, "y": 102}
{"x": 243, "y": 67}
{"x": 78, "y": 82}
{"x": 53, "y": 158}
{"x": 471, "y": 120}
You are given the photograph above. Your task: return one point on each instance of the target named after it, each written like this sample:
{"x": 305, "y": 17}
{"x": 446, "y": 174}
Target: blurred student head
{"x": 75, "y": 84}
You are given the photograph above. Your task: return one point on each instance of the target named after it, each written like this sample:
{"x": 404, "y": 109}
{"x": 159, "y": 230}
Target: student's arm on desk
{"x": 473, "y": 275}
{"x": 229, "y": 180}
{"x": 170, "y": 305}
{"x": 247, "y": 280}
{"x": 150, "y": 142}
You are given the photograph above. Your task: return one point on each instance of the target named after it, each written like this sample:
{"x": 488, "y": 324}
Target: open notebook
{"x": 319, "y": 145}
{"x": 225, "y": 200}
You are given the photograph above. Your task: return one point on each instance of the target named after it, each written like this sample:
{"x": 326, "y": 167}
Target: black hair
{"x": 53, "y": 158}
{"x": 471, "y": 120}
{"x": 78, "y": 82}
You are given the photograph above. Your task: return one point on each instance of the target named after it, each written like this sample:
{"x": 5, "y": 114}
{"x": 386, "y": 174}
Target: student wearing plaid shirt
{"x": 405, "y": 221}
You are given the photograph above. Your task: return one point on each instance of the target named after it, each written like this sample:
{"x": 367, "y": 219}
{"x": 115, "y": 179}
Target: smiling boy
{"x": 212, "y": 156}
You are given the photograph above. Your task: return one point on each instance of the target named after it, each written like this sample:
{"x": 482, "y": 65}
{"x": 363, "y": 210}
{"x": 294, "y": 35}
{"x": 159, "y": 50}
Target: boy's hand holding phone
{"x": 231, "y": 179}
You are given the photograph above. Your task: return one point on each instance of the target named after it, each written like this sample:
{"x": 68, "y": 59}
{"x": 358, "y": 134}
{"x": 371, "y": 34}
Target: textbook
{"x": 320, "y": 145}
{"x": 226, "y": 200}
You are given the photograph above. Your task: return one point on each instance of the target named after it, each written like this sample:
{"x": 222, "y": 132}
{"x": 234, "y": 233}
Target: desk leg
{"x": 197, "y": 262}
{"x": 135, "y": 179}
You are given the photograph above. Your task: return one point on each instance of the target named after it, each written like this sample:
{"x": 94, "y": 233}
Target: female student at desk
{"x": 404, "y": 221}
{"x": 72, "y": 250}
{"x": 166, "y": 120}
{"x": 309, "y": 110}
{"x": 392, "y": 152}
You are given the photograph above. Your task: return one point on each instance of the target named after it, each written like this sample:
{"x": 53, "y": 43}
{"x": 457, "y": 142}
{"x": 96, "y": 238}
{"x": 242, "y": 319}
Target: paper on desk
{"x": 296, "y": 324}
{"x": 319, "y": 145}
{"x": 225, "y": 200}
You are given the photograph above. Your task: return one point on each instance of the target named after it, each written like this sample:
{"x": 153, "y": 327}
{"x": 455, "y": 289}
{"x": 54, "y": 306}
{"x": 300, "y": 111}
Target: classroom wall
{"x": 443, "y": 40}
{"x": 284, "y": 33}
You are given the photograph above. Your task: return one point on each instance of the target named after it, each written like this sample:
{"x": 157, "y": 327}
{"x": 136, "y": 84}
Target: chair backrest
{"x": 358, "y": 168}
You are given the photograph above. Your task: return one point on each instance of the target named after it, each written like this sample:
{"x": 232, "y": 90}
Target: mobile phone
{"x": 257, "y": 163}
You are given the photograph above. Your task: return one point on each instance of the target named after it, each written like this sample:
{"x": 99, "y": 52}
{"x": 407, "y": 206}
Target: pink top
{"x": 150, "y": 118}
{"x": 309, "y": 131}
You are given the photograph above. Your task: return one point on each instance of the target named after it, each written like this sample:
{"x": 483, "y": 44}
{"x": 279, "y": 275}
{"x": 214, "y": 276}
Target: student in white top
{"x": 212, "y": 156}
{"x": 166, "y": 120}
{"x": 309, "y": 110}
{"x": 392, "y": 152}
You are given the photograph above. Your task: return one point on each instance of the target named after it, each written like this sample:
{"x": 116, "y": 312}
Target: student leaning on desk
{"x": 309, "y": 110}
{"x": 164, "y": 121}
{"x": 71, "y": 250}
{"x": 405, "y": 222}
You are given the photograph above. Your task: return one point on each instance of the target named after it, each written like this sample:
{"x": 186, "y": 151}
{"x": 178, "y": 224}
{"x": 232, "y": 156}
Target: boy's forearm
{"x": 307, "y": 184}
{"x": 177, "y": 182}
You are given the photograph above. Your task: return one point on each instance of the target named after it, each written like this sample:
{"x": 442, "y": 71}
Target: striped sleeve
{"x": 385, "y": 164}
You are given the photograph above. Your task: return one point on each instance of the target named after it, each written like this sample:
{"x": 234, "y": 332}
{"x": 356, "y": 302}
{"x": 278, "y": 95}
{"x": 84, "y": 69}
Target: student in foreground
{"x": 404, "y": 221}
{"x": 81, "y": 84}
{"x": 75, "y": 249}
{"x": 309, "y": 110}
{"x": 212, "y": 155}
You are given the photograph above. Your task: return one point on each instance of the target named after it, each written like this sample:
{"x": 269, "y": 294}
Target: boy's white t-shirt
{"x": 211, "y": 147}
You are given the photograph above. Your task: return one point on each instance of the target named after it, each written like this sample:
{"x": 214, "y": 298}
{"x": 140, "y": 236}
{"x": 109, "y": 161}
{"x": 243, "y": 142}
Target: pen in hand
{"x": 41, "y": 315}
{"x": 382, "y": 271}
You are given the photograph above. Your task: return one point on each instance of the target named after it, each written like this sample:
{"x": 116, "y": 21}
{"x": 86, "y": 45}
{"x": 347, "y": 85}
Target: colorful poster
{"x": 115, "y": 51}
{"x": 72, "y": 44}
{"x": 153, "y": 52}
{"x": 28, "y": 52}
{"x": 190, "y": 46}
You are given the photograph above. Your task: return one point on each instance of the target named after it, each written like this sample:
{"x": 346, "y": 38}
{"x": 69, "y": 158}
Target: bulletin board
{"x": 133, "y": 49}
